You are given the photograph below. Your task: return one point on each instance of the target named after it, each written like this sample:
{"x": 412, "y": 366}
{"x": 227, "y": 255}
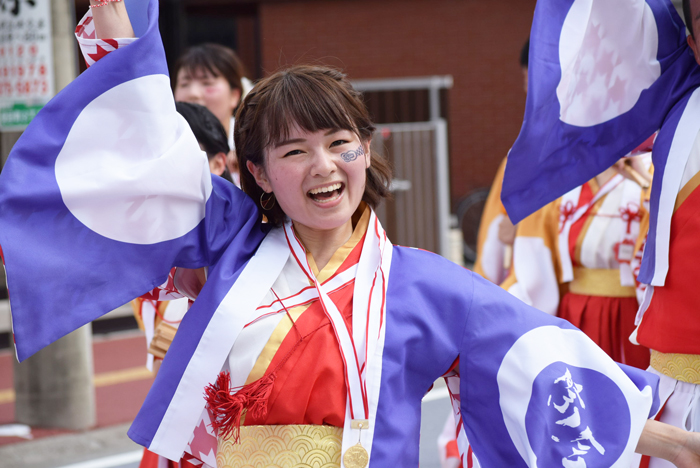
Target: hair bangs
{"x": 308, "y": 104}
{"x": 200, "y": 62}
{"x": 688, "y": 16}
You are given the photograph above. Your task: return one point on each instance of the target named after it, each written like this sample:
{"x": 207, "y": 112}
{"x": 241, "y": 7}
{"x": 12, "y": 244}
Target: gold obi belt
{"x": 282, "y": 447}
{"x": 683, "y": 367}
{"x": 599, "y": 282}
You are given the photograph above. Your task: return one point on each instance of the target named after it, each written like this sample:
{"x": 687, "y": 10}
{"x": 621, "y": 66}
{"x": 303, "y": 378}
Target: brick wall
{"x": 477, "y": 42}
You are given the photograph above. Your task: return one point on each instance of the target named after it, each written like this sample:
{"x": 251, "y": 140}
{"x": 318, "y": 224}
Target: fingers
{"x": 633, "y": 169}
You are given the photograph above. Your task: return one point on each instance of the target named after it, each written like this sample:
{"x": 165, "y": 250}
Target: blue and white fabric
{"x": 104, "y": 192}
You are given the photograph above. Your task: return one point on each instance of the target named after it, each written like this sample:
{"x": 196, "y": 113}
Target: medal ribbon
{"x": 368, "y": 311}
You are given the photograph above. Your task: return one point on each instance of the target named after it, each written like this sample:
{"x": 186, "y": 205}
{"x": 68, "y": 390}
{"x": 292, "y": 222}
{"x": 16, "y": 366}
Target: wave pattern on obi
{"x": 300, "y": 446}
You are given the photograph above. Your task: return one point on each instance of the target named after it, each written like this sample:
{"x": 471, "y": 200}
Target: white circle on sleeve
{"x": 605, "y": 67}
{"x": 131, "y": 170}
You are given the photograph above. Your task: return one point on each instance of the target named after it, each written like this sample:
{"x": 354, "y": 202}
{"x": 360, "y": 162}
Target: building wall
{"x": 477, "y": 42}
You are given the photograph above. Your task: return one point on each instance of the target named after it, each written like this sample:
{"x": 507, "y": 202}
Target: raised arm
{"x": 111, "y": 19}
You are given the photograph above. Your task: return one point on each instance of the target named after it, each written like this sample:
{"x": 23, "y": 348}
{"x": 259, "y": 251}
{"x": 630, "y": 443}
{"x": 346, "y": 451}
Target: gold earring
{"x": 268, "y": 204}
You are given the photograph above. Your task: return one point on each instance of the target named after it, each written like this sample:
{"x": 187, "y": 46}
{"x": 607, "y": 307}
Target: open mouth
{"x": 326, "y": 194}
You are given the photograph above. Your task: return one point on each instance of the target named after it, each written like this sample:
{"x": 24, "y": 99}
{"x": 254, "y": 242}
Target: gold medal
{"x": 356, "y": 457}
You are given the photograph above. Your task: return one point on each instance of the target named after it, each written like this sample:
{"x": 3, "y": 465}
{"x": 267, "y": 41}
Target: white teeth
{"x": 330, "y": 188}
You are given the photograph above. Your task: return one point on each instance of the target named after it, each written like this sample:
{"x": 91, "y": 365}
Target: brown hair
{"x": 313, "y": 98}
{"x": 216, "y": 59}
{"x": 688, "y": 15}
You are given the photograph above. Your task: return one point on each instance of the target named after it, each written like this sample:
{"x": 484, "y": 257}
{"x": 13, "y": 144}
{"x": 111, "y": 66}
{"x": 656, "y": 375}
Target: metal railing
{"x": 419, "y": 213}
{"x": 413, "y": 135}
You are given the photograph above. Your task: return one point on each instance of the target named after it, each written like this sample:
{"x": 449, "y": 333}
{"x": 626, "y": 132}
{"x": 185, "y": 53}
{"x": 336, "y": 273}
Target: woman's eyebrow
{"x": 302, "y": 140}
{"x": 290, "y": 142}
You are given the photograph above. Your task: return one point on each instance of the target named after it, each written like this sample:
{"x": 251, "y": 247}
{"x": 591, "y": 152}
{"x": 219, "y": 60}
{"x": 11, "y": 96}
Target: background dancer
{"x": 494, "y": 252}
{"x": 213, "y": 76}
{"x": 573, "y": 259}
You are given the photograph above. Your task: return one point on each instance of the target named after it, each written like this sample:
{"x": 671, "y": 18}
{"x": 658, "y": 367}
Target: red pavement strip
{"x": 121, "y": 381}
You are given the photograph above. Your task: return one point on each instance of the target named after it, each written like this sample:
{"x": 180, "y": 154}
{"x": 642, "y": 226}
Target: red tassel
{"x": 227, "y": 407}
{"x": 225, "y": 410}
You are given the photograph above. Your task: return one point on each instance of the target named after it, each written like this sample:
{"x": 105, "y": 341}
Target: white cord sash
{"x": 306, "y": 295}
{"x": 572, "y": 212}
{"x": 631, "y": 215}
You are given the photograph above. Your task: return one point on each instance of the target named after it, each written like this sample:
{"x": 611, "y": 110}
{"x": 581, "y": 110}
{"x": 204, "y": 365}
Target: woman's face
{"x": 318, "y": 178}
{"x": 213, "y": 92}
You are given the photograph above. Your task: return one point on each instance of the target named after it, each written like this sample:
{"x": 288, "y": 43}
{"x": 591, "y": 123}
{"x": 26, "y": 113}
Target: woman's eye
{"x": 292, "y": 153}
{"x": 338, "y": 143}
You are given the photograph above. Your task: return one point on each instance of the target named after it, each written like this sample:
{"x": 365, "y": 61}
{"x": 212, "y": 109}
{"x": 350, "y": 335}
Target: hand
{"x": 506, "y": 231}
{"x": 633, "y": 169}
{"x": 689, "y": 453}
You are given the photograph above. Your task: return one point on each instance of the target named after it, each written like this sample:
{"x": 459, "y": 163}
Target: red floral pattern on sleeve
{"x": 166, "y": 291}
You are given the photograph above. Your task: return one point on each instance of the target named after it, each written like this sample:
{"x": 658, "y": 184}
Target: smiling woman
{"x": 307, "y": 156}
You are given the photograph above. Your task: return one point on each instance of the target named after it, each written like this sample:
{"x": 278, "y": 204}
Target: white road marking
{"x": 108, "y": 462}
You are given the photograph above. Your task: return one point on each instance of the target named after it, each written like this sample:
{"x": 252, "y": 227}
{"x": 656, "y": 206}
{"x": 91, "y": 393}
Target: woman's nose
{"x": 323, "y": 163}
{"x": 193, "y": 93}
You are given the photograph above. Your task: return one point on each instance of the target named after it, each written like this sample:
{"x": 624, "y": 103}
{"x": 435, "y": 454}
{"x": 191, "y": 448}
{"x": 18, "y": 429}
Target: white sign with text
{"x": 26, "y": 61}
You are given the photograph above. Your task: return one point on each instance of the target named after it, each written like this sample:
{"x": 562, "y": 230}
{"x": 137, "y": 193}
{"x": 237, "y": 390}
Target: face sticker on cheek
{"x": 352, "y": 155}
